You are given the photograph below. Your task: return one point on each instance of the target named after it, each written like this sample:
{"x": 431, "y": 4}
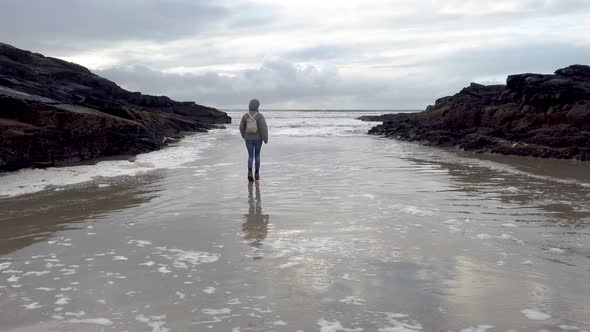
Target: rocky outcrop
{"x": 54, "y": 112}
{"x": 532, "y": 115}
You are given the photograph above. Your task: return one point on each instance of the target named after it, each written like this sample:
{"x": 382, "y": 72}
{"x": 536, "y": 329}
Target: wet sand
{"x": 343, "y": 233}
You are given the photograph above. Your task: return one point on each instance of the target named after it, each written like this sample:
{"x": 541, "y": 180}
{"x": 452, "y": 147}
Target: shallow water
{"x": 345, "y": 232}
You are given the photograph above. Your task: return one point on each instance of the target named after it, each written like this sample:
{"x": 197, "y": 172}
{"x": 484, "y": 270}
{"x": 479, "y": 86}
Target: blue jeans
{"x": 254, "y": 146}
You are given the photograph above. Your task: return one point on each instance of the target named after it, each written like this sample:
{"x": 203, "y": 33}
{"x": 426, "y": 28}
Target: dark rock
{"x": 532, "y": 115}
{"x": 54, "y": 112}
{"x": 376, "y": 118}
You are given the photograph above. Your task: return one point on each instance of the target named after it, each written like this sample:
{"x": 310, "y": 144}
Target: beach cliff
{"x": 54, "y": 112}
{"x": 532, "y": 115}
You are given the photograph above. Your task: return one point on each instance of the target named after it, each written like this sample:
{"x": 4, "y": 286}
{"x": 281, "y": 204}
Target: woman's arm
{"x": 263, "y": 129}
{"x": 243, "y": 126}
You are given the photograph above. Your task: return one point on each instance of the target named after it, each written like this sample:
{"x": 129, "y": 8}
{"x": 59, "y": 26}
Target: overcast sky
{"x": 306, "y": 54}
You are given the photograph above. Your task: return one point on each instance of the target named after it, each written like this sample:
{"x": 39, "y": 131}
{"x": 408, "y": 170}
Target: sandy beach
{"x": 344, "y": 232}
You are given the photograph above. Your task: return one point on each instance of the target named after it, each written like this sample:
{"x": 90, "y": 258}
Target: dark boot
{"x": 250, "y": 177}
{"x": 257, "y": 176}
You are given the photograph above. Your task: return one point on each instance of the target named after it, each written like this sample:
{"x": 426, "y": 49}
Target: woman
{"x": 254, "y": 131}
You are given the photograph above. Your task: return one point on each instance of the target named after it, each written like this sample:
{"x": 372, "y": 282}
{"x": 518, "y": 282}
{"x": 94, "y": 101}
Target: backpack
{"x": 251, "y": 124}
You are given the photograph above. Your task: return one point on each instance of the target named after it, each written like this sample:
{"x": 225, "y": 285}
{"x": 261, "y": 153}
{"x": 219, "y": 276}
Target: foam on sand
{"x": 479, "y": 328}
{"x": 77, "y": 314}
{"x": 62, "y": 301}
{"x": 353, "y": 300}
{"x": 28, "y": 181}
{"x": 13, "y": 279}
{"x": 413, "y": 210}
{"x": 569, "y": 327}
{"x": 150, "y": 263}
{"x": 557, "y": 250}
{"x": 209, "y": 290}
{"x": 95, "y": 321}
{"x": 397, "y": 322}
{"x": 334, "y": 326}
{"x": 535, "y": 314}
{"x": 320, "y": 245}
{"x": 32, "y": 306}
{"x": 140, "y": 243}
{"x": 156, "y": 323}
{"x": 195, "y": 257}
{"x": 214, "y": 312}
{"x": 483, "y": 236}
{"x": 36, "y": 273}
{"x": 164, "y": 269}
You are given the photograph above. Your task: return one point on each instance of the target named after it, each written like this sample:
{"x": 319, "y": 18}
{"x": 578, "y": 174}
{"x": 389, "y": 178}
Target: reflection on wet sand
{"x": 521, "y": 192}
{"x": 255, "y": 225}
{"x": 25, "y": 221}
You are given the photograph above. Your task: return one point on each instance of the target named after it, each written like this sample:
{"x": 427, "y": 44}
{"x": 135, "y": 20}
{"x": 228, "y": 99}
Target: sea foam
{"x": 28, "y": 181}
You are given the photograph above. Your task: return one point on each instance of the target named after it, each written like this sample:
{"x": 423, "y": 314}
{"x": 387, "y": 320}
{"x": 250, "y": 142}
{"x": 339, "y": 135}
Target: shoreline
{"x": 168, "y": 142}
{"x": 193, "y": 145}
{"x": 30, "y": 181}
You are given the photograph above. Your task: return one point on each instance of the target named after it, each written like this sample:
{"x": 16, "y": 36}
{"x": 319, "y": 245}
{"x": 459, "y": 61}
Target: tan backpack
{"x": 251, "y": 124}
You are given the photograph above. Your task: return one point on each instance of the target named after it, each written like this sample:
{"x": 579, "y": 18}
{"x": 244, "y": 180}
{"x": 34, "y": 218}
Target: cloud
{"x": 536, "y": 57}
{"x": 76, "y": 24}
{"x": 304, "y": 53}
{"x": 275, "y": 81}
{"x": 282, "y": 83}
{"x": 278, "y": 84}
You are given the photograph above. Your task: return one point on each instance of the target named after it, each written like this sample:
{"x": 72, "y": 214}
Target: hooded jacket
{"x": 260, "y": 121}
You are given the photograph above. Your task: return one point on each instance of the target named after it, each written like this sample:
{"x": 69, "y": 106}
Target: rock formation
{"x": 54, "y": 112}
{"x": 532, "y": 115}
